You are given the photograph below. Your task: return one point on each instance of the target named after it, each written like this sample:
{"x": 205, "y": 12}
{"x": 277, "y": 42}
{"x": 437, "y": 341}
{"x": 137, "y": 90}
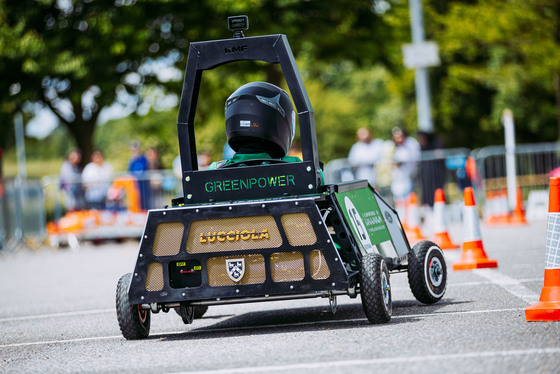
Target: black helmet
{"x": 260, "y": 118}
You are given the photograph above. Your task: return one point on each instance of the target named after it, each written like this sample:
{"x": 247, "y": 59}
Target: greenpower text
{"x": 249, "y": 183}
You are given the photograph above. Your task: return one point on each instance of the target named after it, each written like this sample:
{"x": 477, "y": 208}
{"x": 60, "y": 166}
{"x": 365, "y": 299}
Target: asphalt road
{"x": 57, "y": 314}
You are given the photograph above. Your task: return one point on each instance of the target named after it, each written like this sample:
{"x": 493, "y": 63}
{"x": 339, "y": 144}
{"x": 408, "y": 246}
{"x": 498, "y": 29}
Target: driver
{"x": 260, "y": 125}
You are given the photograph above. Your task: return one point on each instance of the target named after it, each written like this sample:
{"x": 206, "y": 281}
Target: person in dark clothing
{"x": 432, "y": 166}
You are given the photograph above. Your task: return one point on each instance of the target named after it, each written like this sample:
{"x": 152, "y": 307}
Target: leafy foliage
{"x": 77, "y": 57}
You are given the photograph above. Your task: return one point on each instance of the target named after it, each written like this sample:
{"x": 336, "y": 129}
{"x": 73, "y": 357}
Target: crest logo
{"x": 388, "y": 217}
{"x": 235, "y": 268}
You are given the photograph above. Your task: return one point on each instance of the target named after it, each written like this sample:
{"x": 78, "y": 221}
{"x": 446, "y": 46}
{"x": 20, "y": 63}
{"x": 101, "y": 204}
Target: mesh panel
{"x": 218, "y": 274}
{"x": 298, "y": 229}
{"x": 233, "y": 234}
{"x": 154, "y": 279}
{"x": 318, "y": 265}
{"x": 168, "y": 239}
{"x": 287, "y": 266}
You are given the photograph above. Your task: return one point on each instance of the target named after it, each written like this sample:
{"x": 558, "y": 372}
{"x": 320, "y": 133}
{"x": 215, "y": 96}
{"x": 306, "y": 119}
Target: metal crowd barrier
{"x": 446, "y": 168}
{"x": 128, "y": 198}
{"x": 535, "y": 163}
{"x": 483, "y": 168}
{"x": 156, "y": 189}
{"x": 22, "y": 214}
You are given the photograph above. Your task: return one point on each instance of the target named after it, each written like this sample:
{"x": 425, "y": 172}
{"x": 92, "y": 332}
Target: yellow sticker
{"x": 181, "y": 264}
{"x": 197, "y": 267}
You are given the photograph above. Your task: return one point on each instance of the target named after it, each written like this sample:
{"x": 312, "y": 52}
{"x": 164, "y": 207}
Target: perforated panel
{"x": 168, "y": 239}
{"x": 287, "y": 266}
{"x": 233, "y": 234}
{"x": 218, "y": 273}
{"x": 154, "y": 279}
{"x": 318, "y": 265}
{"x": 298, "y": 229}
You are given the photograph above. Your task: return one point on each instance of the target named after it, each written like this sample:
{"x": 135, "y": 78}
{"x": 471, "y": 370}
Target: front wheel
{"x": 133, "y": 320}
{"x": 375, "y": 289}
{"x": 427, "y": 272}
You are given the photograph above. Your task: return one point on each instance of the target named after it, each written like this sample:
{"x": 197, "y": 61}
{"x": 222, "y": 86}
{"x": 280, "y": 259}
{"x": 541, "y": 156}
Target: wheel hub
{"x": 142, "y": 314}
{"x": 386, "y": 289}
{"x": 435, "y": 271}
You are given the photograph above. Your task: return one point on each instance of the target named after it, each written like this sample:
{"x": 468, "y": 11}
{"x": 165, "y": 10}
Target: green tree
{"x": 75, "y": 57}
{"x": 78, "y": 57}
{"x": 498, "y": 54}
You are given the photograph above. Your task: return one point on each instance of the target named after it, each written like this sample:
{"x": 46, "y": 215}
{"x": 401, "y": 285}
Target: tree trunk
{"x": 556, "y": 84}
{"x": 82, "y": 132}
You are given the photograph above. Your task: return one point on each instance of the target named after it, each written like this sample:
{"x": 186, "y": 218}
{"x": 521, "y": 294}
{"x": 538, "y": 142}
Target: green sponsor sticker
{"x": 364, "y": 216}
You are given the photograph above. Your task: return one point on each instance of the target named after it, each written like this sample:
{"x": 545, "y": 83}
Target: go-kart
{"x": 267, "y": 230}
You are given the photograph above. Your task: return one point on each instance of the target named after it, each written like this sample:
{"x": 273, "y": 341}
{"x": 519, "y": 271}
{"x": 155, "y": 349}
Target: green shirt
{"x": 240, "y": 157}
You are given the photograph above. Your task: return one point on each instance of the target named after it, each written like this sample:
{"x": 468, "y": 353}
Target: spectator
{"x": 96, "y": 179}
{"x": 137, "y": 162}
{"x": 295, "y": 151}
{"x": 152, "y": 159}
{"x": 432, "y": 169}
{"x": 137, "y": 166}
{"x": 71, "y": 181}
{"x": 204, "y": 160}
{"x": 155, "y": 178}
{"x": 364, "y": 154}
{"x": 406, "y": 154}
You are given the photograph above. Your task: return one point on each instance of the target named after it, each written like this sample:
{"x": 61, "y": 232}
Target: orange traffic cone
{"x": 548, "y": 307}
{"x": 473, "y": 255}
{"x": 441, "y": 236}
{"x": 412, "y": 229}
{"x": 518, "y": 215}
{"x": 491, "y": 208}
{"x": 497, "y": 208}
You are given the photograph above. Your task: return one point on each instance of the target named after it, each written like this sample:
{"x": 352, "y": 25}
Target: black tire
{"x": 199, "y": 311}
{"x": 375, "y": 289}
{"x": 133, "y": 321}
{"x": 186, "y": 312}
{"x": 427, "y": 272}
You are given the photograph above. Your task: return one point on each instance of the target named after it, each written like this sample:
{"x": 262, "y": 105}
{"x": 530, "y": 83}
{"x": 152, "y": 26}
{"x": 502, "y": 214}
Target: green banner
{"x": 364, "y": 217}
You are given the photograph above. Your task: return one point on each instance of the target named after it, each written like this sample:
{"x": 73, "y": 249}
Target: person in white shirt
{"x": 406, "y": 156}
{"x": 364, "y": 154}
{"x": 96, "y": 178}
{"x": 71, "y": 181}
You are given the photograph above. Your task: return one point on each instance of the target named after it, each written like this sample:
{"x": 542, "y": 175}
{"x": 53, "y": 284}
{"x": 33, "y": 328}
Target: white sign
{"x": 421, "y": 55}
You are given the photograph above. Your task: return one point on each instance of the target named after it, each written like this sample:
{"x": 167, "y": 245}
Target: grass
{"x": 35, "y": 168}
{"x": 40, "y": 168}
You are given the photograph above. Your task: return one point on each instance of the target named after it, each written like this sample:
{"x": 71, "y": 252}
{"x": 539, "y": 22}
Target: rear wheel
{"x": 199, "y": 311}
{"x": 375, "y": 289}
{"x": 133, "y": 320}
{"x": 186, "y": 312}
{"x": 427, "y": 272}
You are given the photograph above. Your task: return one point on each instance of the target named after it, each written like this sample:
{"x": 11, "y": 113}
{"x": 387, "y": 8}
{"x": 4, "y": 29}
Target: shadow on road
{"x": 317, "y": 318}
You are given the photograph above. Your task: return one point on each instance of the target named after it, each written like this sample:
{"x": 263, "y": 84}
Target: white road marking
{"x": 57, "y": 315}
{"x": 241, "y": 328}
{"x": 325, "y": 365}
{"x": 511, "y": 285}
{"x": 62, "y": 341}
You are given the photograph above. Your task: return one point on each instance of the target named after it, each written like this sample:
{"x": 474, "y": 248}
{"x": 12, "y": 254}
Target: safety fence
{"x": 441, "y": 168}
{"x": 22, "y": 214}
{"x": 534, "y": 165}
{"x": 32, "y": 210}
{"x": 120, "y": 213}
{"x": 484, "y": 169}
{"x": 125, "y": 191}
